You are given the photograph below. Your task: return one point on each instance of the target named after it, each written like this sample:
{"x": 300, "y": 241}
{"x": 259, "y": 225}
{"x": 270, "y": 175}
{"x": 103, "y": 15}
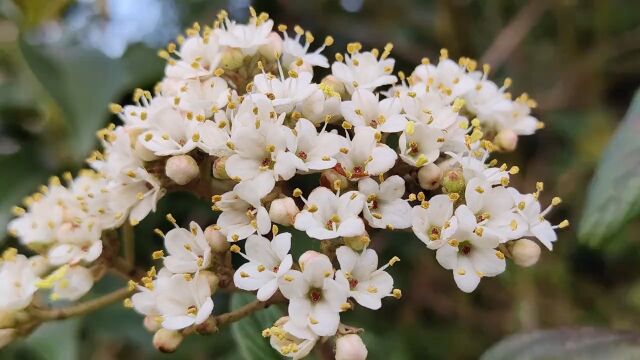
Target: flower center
{"x": 302, "y": 155}
{"x": 465, "y": 247}
{"x": 267, "y": 163}
{"x": 480, "y": 217}
{"x": 413, "y": 147}
{"x": 315, "y": 295}
{"x": 192, "y": 310}
{"x": 353, "y": 283}
{"x": 358, "y": 171}
{"x": 434, "y": 232}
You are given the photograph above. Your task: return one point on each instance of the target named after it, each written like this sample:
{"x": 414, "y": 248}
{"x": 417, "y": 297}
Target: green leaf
{"x": 83, "y": 81}
{"x": 248, "y": 332}
{"x": 580, "y": 343}
{"x": 614, "y": 193}
{"x": 57, "y": 340}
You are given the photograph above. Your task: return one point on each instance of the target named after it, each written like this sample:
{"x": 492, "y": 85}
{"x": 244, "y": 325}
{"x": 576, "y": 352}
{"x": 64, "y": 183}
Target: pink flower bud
{"x": 430, "y": 176}
{"x": 151, "y": 323}
{"x": 182, "y": 169}
{"x": 272, "y": 47}
{"x": 283, "y": 211}
{"x": 167, "y": 341}
{"x": 216, "y": 239}
{"x": 350, "y": 347}
{"x": 308, "y": 256}
{"x": 525, "y": 252}
{"x": 506, "y": 140}
{"x": 219, "y": 171}
{"x": 328, "y": 179}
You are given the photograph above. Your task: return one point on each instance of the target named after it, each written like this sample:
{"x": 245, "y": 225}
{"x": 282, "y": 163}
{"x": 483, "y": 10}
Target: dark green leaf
{"x": 248, "y": 332}
{"x": 582, "y": 343}
{"x": 614, "y": 194}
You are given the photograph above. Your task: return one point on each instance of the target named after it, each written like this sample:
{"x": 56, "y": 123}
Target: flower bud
{"x": 329, "y": 177}
{"x": 525, "y": 252}
{"x": 219, "y": 171}
{"x": 216, "y": 239}
{"x": 39, "y": 264}
{"x": 506, "y": 140}
{"x": 272, "y": 47}
{"x": 430, "y": 176}
{"x": 350, "y": 347}
{"x": 212, "y": 279}
{"x": 167, "y": 341}
{"x": 283, "y": 211}
{"x": 453, "y": 181}
{"x": 151, "y": 323}
{"x": 308, "y": 256}
{"x": 334, "y": 84}
{"x": 7, "y": 336}
{"x": 357, "y": 243}
{"x": 231, "y": 59}
{"x": 182, "y": 169}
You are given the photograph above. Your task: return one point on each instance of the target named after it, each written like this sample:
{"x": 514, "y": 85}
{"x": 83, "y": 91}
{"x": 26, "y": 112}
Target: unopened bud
{"x": 430, "y": 176}
{"x": 308, "y": 256}
{"x": 357, "y": 243}
{"x": 453, "y": 181}
{"x": 506, "y": 140}
{"x": 272, "y": 48}
{"x": 167, "y": 341}
{"x": 329, "y": 178}
{"x": 219, "y": 171}
{"x": 39, "y": 264}
{"x": 6, "y": 337}
{"x": 525, "y": 252}
{"x": 182, "y": 169}
{"x": 231, "y": 59}
{"x": 151, "y": 323}
{"x": 216, "y": 239}
{"x": 283, "y": 211}
{"x": 335, "y": 85}
{"x": 350, "y": 347}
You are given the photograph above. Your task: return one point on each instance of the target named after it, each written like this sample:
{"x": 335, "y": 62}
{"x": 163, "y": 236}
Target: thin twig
{"x": 512, "y": 35}
{"x": 81, "y": 308}
{"x": 246, "y": 310}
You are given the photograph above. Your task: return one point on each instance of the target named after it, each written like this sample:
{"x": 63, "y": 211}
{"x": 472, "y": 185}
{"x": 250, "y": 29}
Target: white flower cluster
{"x": 239, "y": 110}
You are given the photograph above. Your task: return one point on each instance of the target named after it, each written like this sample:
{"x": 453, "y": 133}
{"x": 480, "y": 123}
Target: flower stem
{"x": 81, "y": 308}
{"x": 128, "y": 244}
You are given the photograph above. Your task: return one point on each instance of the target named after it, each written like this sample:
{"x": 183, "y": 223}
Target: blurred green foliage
{"x": 59, "y": 69}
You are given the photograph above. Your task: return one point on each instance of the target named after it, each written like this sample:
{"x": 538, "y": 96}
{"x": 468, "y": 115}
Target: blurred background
{"x": 63, "y": 61}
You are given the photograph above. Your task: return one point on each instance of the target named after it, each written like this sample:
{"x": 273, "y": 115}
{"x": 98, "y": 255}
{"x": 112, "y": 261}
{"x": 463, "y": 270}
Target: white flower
{"x": 446, "y": 74}
{"x": 432, "y": 221}
{"x": 137, "y": 192}
{"x": 494, "y": 207}
{"x": 315, "y": 298}
{"x": 263, "y": 150}
{"x": 285, "y": 94}
{"x": 328, "y": 216}
{"x": 360, "y": 274}
{"x": 290, "y": 340}
{"x": 169, "y": 133}
{"x": 17, "y": 282}
{"x": 529, "y": 208}
{"x": 188, "y": 301}
{"x": 385, "y": 207}
{"x": 197, "y": 57}
{"x": 420, "y": 144}
{"x": 365, "y": 70}
{"x": 317, "y": 149}
{"x": 68, "y": 282}
{"x": 268, "y": 262}
{"x": 365, "y": 109}
{"x": 473, "y": 167}
{"x": 365, "y": 156}
{"x": 321, "y": 106}
{"x": 246, "y": 37}
{"x": 203, "y": 97}
{"x": 293, "y": 50}
{"x": 145, "y": 300}
{"x": 471, "y": 253}
{"x": 188, "y": 250}
{"x": 240, "y": 219}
